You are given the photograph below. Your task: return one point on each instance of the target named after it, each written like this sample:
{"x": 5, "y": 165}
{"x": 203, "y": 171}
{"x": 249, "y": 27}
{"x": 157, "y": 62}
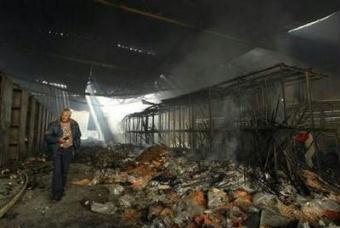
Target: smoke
{"x": 261, "y": 39}
{"x": 209, "y": 59}
{"x": 204, "y": 64}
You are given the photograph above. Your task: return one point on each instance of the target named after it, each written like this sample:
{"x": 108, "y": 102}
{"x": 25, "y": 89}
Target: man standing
{"x": 63, "y": 138}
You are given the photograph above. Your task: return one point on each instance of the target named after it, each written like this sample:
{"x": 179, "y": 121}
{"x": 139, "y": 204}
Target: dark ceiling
{"x": 128, "y": 44}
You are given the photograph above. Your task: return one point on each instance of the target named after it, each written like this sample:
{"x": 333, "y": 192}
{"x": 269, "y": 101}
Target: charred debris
{"x": 271, "y": 162}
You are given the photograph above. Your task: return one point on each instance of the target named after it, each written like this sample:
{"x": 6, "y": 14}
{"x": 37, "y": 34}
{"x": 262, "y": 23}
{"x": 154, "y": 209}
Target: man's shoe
{"x": 56, "y": 199}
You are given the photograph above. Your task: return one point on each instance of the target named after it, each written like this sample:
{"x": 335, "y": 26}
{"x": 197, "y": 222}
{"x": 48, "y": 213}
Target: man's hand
{"x": 61, "y": 141}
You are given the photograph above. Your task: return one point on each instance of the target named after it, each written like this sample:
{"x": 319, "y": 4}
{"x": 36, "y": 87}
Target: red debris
{"x": 302, "y": 136}
{"x": 333, "y": 215}
{"x": 199, "y": 198}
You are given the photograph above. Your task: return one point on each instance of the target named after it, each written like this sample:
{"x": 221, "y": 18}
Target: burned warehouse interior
{"x": 157, "y": 114}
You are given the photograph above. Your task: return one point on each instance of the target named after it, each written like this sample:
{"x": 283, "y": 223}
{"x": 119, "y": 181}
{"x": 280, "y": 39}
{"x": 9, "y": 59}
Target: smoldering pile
{"x": 160, "y": 189}
{"x": 109, "y": 156}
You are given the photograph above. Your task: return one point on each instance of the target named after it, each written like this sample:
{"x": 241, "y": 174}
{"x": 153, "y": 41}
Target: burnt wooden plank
{"x": 39, "y": 129}
{"x": 23, "y": 121}
{"x": 30, "y": 126}
{"x": 43, "y": 129}
{"x": 17, "y": 138}
{"x": 5, "y": 116}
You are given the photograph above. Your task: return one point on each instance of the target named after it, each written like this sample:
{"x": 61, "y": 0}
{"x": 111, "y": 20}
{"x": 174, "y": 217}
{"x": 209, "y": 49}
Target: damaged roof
{"x": 129, "y": 44}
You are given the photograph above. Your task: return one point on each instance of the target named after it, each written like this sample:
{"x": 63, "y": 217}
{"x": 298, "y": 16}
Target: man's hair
{"x": 66, "y": 110}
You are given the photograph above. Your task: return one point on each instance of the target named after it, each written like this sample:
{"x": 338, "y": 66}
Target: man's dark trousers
{"x": 61, "y": 159}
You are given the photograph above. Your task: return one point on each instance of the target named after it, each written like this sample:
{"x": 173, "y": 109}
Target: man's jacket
{"x": 54, "y": 133}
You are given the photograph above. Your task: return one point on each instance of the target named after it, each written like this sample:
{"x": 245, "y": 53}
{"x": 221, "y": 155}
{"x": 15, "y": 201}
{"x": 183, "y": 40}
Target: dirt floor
{"x": 158, "y": 187}
{"x": 35, "y": 208}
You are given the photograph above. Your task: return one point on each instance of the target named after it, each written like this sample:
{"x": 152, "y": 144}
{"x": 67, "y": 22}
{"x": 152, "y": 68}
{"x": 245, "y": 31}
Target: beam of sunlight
{"x": 82, "y": 117}
{"x": 116, "y": 109}
{"x": 95, "y": 118}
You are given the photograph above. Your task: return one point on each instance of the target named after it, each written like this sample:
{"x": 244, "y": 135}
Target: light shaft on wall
{"x": 89, "y": 101}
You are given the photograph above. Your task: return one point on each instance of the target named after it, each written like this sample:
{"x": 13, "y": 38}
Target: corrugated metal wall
{"x": 23, "y": 120}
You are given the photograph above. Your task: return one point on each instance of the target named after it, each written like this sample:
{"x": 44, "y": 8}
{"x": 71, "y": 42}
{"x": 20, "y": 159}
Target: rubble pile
{"x": 159, "y": 189}
{"x": 138, "y": 173}
{"x": 110, "y": 156}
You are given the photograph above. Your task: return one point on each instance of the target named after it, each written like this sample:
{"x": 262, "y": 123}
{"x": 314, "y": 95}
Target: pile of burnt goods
{"x": 280, "y": 150}
{"x": 160, "y": 189}
{"x": 108, "y": 156}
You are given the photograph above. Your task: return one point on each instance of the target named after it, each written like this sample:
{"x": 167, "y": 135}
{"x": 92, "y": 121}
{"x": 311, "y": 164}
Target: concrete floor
{"x": 35, "y": 208}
